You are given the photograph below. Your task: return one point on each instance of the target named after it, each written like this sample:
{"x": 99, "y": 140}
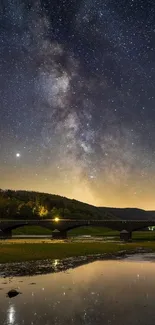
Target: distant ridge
{"x": 130, "y": 213}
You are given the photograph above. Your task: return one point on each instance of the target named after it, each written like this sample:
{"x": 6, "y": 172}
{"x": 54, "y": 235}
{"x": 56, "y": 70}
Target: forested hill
{"x": 31, "y": 205}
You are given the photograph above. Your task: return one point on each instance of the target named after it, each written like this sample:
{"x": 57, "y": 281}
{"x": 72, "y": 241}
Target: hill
{"x": 31, "y": 205}
{"x": 130, "y": 213}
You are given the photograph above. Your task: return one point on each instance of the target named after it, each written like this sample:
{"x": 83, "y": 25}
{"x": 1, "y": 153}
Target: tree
{"x": 25, "y": 211}
{"x": 55, "y": 212}
{"x": 3, "y": 207}
{"x": 12, "y": 208}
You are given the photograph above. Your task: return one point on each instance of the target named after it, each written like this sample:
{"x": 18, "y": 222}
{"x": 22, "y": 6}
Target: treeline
{"x": 35, "y": 205}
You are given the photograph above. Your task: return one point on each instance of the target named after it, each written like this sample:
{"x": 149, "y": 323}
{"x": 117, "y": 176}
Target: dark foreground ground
{"x": 22, "y": 259}
{"x": 26, "y": 250}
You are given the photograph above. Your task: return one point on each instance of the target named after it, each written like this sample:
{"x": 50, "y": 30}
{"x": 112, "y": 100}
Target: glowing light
{"x": 56, "y": 219}
{"x": 11, "y": 315}
{"x": 56, "y": 262}
{"x": 18, "y": 155}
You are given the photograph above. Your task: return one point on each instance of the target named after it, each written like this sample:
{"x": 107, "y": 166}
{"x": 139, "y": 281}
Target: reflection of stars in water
{"x": 92, "y": 176}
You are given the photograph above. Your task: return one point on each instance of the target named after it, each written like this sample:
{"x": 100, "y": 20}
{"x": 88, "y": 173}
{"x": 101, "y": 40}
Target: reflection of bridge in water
{"x": 59, "y": 228}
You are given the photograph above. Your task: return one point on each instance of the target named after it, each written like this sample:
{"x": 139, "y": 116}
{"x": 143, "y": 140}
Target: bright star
{"x": 18, "y": 155}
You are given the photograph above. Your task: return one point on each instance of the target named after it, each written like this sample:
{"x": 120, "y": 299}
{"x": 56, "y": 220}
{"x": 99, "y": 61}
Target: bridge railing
{"x": 75, "y": 220}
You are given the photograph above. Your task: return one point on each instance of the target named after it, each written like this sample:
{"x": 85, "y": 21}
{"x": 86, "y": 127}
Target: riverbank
{"x": 84, "y": 231}
{"x": 112, "y": 290}
{"x": 24, "y": 250}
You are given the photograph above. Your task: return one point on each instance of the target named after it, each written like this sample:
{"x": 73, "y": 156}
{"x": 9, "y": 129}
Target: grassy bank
{"x": 93, "y": 231}
{"x": 21, "y": 251}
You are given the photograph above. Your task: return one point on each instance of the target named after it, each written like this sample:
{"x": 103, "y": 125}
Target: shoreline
{"x": 47, "y": 266}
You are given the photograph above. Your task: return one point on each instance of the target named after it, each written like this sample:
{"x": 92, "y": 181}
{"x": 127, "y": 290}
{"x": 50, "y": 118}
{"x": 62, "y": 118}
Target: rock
{"x": 32, "y": 283}
{"x": 13, "y": 293}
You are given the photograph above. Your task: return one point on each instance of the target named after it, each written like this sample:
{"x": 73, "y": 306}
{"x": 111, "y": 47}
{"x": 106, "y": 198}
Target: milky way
{"x": 77, "y": 106}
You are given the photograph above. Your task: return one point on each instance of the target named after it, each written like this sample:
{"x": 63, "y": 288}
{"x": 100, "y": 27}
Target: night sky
{"x": 77, "y": 99}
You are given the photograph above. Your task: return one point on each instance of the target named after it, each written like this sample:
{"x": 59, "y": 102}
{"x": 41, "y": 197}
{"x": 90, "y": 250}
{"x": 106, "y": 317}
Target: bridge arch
{"x": 26, "y": 229}
{"x": 90, "y": 224}
{"x": 143, "y": 227}
{"x": 93, "y": 231}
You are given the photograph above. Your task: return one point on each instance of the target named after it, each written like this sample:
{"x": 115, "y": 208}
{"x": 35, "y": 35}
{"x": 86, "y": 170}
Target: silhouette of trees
{"x": 3, "y": 207}
{"x": 31, "y": 205}
{"x": 25, "y": 211}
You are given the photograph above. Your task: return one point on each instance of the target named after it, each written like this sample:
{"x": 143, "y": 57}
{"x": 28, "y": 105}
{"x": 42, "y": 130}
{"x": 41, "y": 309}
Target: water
{"x": 31, "y": 236}
{"x": 120, "y": 292}
{"x": 74, "y": 238}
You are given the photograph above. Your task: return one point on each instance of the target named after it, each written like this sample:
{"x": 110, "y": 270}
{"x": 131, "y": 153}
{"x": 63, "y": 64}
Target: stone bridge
{"x": 60, "y": 227}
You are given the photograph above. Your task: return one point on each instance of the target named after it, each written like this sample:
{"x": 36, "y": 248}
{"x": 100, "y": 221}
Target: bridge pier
{"x": 59, "y": 234}
{"x": 126, "y": 235}
{"x": 4, "y": 234}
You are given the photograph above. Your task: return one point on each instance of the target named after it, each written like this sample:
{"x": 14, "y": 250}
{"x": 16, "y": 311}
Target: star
{"x": 18, "y": 155}
{"x": 77, "y": 102}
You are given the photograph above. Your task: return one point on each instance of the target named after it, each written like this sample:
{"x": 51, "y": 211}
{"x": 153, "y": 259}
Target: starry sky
{"x": 77, "y": 99}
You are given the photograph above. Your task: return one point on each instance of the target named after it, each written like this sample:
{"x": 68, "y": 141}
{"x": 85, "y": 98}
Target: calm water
{"x": 99, "y": 293}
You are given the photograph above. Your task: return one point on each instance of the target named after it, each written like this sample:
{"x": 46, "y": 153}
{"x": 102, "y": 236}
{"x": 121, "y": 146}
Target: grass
{"x": 21, "y": 251}
{"x": 93, "y": 231}
{"x": 143, "y": 235}
{"x": 31, "y": 230}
